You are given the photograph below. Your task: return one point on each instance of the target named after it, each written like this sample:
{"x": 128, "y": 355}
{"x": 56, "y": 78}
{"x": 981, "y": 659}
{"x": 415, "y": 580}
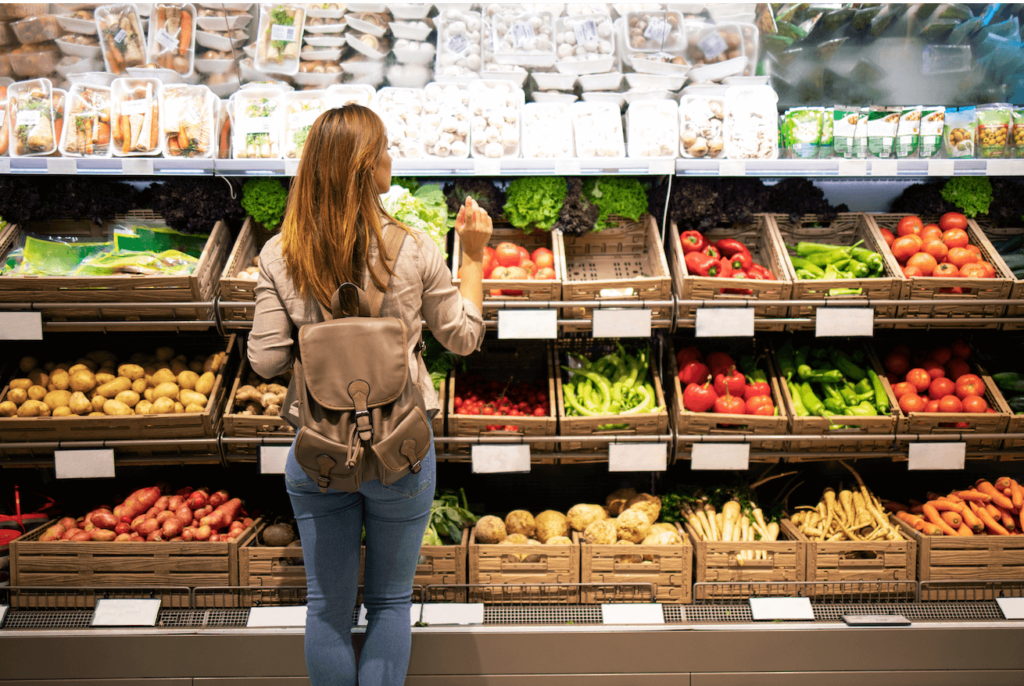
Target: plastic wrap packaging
{"x": 524, "y": 39}
{"x": 801, "y": 132}
{"x": 87, "y": 127}
{"x": 257, "y": 123}
{"x": 458, "y": 46}
{"x": 408, "y": 75}
{"x": 827, "y": 133}
{"x": 709, "y": 44}
{"x": 844, "y": 129}
{"x": 653, "y": 127}
{"x": 31, "y": 120}
{"x": 496, "y": 113}
{"x": 958, "y": 132}
{"x": 860, "y": 136}
{"x": 930, "y": 136}
{"x": 58, "y": 101}
{"x": 135, "y": 117}
{"x": 445, "y": 120}
{"x": 597, "y": 129}
{"x": 702, "y": 122}
{"x": 172, "y": 37}
{"x": 302, "y": 109}
{"x": 121, "y": 37}
{"x": 648, "y": 33}
{"x": 1017, "y": 138}
{"x": 585, "y": 44}
{"x": 751, "y": 123}
{"x": 883, "y": 123}
{"x": 37, "y": 29}
{"x": 547, "y": 131}
{"x": 5, "y": 137}
{"x": 908, "y": 133}
{"x": 34, "y": 61}
{"x": 189, "y": 121}
{"x": 279, "y": 38}
{"x": 401, "y": 110}
{"x": 993, "y": 131}
{"x": 413, "y": 52}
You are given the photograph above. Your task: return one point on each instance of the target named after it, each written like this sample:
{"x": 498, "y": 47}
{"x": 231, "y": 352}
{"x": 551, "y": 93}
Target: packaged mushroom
{"x": 189, "y": 118}
{"x": 585, "y": 44}
{"x": 30, "y": 110}
{"x": 652, "y": 31}
{"x": 257, "y": 123}
{"x": 303, "y": 108}
{"x": 547, "y": 131}
{"x": 496, "y": 110}
{"x": 524, "y": 39}
{"x": 124, "y": 44}
{"x": 279, "y": 37}
{"x": 713, "y": 43}
{"x": 87, "y": 133}
{"x": 401, "y": 110}
{"x": 172, "y": 37}
{"x": 702, "y": 122}
{"x": 458, "y": 46}
{"x": 445, "y": 120}
{"x": 751, "y": 123}
{"x": 597, "y": 129}
{"x": 751, "y": 46}
{"x": 136, "y": 116}
{"x": 653, "y": 127}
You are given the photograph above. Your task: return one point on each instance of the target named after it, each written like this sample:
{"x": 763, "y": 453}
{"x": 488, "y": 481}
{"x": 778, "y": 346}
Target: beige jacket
{"x": 420, "y": 290}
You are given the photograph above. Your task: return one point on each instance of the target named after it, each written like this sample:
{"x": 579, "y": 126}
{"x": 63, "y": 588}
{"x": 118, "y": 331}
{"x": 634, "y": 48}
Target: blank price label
{"x": 273, "y": 458}
{"x": 622, "y": 323}
{"x": 937, "y": 456}
{"x": 771, "y": 609}
{"x": 459, "y": 614}
{"x": 137, "y": 166}
{"x": 123, "y": 612}
{"x": 294, "y": 615}
{"x": 637, "y": 457}
{"x": 3, "y": 613}
{"x": 498, "y": 459}
{"x": 84, "y": 464}
{"x": 844, "y": 321}
{"x": 414, "y": 614}
{"x": 632, "y": 613}
{"x": 715, "y": 322}
{"x": 662, "y": 167}
{"x": 876, "y": 620}
{"x": 291, "y": 167}
{"x": 21, "y": 326}
{"x": 486, "y": 167}
{"x": 1005, "y": 167}
{"x": 61, "y": 165}
{"x": 852, "y": 167}
{"x": 567, "y": 167}
{"x": 732, "y": 168}
{"x": 883, "y": 168}
{"x": 528, "y": 324}
{"x": 712, "y": 456}
{"x": 1012, "y": 608}
{"x": 940, "y": 167}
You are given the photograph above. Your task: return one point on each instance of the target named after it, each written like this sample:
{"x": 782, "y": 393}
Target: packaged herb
{"x": 932, "y": 120}
{"x": 803, "y": 131}
{"x": 844, "y": 127}
{"x": 1018, "y": 133}
{"x": 827, "y": 136}
{"x": 883, "y": 123}
{"x": 860, "y": 136}
{"x": 908, "y": 132}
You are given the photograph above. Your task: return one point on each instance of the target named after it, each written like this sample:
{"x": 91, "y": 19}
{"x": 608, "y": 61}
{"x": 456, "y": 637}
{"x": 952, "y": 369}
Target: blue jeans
{"x": 330, "y": 526}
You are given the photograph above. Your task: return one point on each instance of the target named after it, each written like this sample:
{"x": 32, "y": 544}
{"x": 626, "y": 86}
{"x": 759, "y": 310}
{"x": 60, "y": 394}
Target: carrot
{"x": 933, "y": 516}
{"x": 991, "y": 524}
{"x": 225, "y": 138}
{"x": 964, "y": 530}
{"x": 952, "y": 518}
{"x": 126, "y": 133}
{"x": 894, "y": 506}
{"x": 943, "y": 505}
{"x": 932, "y": 495}
{"x": 911, "y": 519}
{"x": 1016, "y": 495}
{"x": 997, "y": 497}
{"x": 1002, "y": 483}
{"x": 974, "y": 495}
{"x": 917, "y": 509}
{"x": 1007, "y": 520}
{"x": 971, "y": 520}
{"x": 185, "y": 40}
{"x": 954, "y": 498}
{"x": 929, "y": 529}
{"x": 155, "y": 128}
{"x": 103, "y": 134}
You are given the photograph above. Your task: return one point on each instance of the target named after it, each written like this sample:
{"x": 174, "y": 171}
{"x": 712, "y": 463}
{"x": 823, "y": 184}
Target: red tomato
{"x": 950, "y": 403}
{"x": 489, "y": 263}
{"x": 990, "y": 271}
{"x": 911, "y": 272}
{"x": 909, "y": 225}
{"x": 517, "y": 273}
{"x": 946, "y": 270}
{"x": 941, "y": 355}
{"x": 919, "y": 379}
{"x": 546, "y": 273}
{"x": 508, "y": 255}
{"x": 887, "y": 235}
{"x": 523, "y": 252}
{"x": 973, "y": 271}
{"x": 924, "y": 262}
{"x": 956, "y": 368}
{"x": 497, "y": 273}
{"x": 975, "y": 403}
{"x": 760, "y": 405}
{"x": 912, "y": 402}
{"x": 955, "y": 238}
{"x": 936, "y": 248}
{"x": 969, "y": 384}
{"x": 530, "y": 266}
{"x": 904, "y": 247}
{"x": 903, "y": 388}
{"x": 952, "y": 220}
{"x": 934, "y": 369}
{"x": 932, "y": 406}
{"x": 897, "y": 363}
{"x": 961, "y": 257}
{"x": 961, "y": 350}
{"x": 543, "y": 258}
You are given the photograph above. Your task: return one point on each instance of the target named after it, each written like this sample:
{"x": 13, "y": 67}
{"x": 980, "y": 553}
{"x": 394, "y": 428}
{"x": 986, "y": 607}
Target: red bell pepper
{"x": 699, "y": 264}
{"x": 725, "y": 270}
{"x": 712, "y": 252}
{"x": 765, "y": 273}
{"x": 692, "y": 241}
{"x": 730, "y": 247}
{"x": 738, "y": 291}
{"x": 740, "y": 260}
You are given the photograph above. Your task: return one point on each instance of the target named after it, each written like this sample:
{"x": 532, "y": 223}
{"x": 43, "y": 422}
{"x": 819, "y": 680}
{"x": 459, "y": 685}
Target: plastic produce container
{"x": 166, "y": 33}
{"x": 34, "y": 61}
{"x": 402, "y": 109}
{"x": 302, "y": 108}
{"x": 548, "y": 131}
{"x": 458, "y": 46}
{"x": 597, "y": 128}
{"x": 524, "y": 39}
{"x": 31, "y": 119}
{"x": 585, "y": 44}
{"x": 653, "y": 128}
{"x": 445, "y": 120}
{"x": 87, "y": 127}
{"x": 258, "y": 122}
{"x": 189, "y": 116}
{"x": 496, "y": 109}
{"x": 702, "y": 122}
{"x": 121, "y": 37}
{"x": 278, "y": 38}
{"x": 37, "y": 29}
{"x": 751, "y": 123}
{"x": 136, "y": 107}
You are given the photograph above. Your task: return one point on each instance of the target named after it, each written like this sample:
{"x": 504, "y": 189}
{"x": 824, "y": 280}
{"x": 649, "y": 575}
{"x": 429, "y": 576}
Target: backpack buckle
{"x": 363, "y": 426}
{"x": 323, "y": 481}
{"x": 415, "y": 469}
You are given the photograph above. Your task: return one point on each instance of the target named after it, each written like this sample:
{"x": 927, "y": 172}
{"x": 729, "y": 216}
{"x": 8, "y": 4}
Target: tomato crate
{"x": 199, "y": 286}
{"x": 960, "y": 305}
{"x": 626, "y": 261}
{"x": 846, "y": 229}
{"x": 669, "y": 568}
{"x": 762, "y": 240}
{"x": 240, "y": 425}
{"x": 1017, "y": 290}
{"x": 244, "y": 253}
{"x": 505, "y": 363}
{"x": 528, "y": 567}
{"x": 714, "y": 424}
{"x": 645, "y": 424}
{"x": 884, "y": 427}
{"x": 718, "y": 561}
{"x": 522, "y": 290}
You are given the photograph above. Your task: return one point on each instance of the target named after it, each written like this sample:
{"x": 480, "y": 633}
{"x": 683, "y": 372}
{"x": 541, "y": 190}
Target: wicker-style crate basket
{"x": 716, "y": 561}
{"x": 526, "y": 565}
{"x": 647, "y": 424}
{"x": 762, "y": 240}
{"x": 846, "y": 229}
{"x": 669, "y": 568}
{"x": 840, "y": 561}
{"x": 930, "y": 287}
{"x": 1017, "y": 290}
{"x": 714, "y": 424}
{"x": 237, "y": 425}
{"x": 623, "y": 262}
{"x": 250, "y": 242}
{"x": 200, "y": 286}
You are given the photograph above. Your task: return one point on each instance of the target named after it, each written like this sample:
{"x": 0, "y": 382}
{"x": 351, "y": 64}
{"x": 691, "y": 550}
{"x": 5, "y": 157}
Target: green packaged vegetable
{"x": 993, "y": 129}
{"x": 827, "y": 135}
{"x": 844, "y": 120}
{"x": 883, "y": 123}
{"x": 958, "y": 133}
{"x": 932, "y": 120}
{"x": 908, "y": 132}
{"x": 803, "y": 131}
{"x": 860, "y": 136}
{"x": 1017, "y": 136}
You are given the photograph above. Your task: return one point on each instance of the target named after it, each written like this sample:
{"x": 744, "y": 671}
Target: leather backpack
{"x": 361, "y": 417}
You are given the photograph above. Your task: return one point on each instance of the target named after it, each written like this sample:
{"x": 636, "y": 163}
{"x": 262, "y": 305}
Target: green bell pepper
{"x": 858, "y": 269}
{"x": 872, "y": 259}
{"x": 849, "y": 396}
{"x": 804, "y": 249}
{"x": 835, "y": 405}
{"x": 863, "y": 409}
{"x": 844, "y": 291}
{"x": 824, "y": 376}
{"x": 863, "y": 386}
{"x": 805, "y": 275}
{"x": 574, "y": 403}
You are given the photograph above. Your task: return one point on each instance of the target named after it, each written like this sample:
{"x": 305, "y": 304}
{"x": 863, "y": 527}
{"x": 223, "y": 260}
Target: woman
{"x": 331, "y": 230}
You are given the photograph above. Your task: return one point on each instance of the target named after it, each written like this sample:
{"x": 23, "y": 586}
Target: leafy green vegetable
{"x": 449, "y": 515}
{"x": 440, "y": 360}
{"x": 972, "y": 194}
{"x": 265, "y": 201}
{"x": 535, "y": 201}
{"x": 425, "y": 210}
{"x": 483, "y": 191}
{"x": 615, "y": 195}
{"x": 408, "y": 182}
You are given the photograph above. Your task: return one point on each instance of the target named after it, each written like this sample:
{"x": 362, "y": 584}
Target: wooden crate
{"x": 763, "y": 242}
{"x": 533, "y": 290}
{"x": 669, "y": 568}
{"x": 509, "y": 362}
{"x": 1017, "y": 290}
{"x": 95, "y": 564}
{"x": 623, "y": 262}
{"x": 856, "y": 560}
{"x": 846, "y": 229}
{"x": 710, "y": 423}
{"x": 200, "y": 286}
{"x": 247, "y": 425}
{"x": 247, "y": 247}
{"x": 203, "y": 424}
{"x": 716, "y": 561}
{"x": 649, "y": 424}
{"x": 495, "y": 564}
{"x": 929, "y": 287}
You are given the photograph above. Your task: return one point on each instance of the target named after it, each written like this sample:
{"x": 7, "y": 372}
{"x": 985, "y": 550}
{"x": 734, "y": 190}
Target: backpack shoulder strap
{"x": 394, "y": 236}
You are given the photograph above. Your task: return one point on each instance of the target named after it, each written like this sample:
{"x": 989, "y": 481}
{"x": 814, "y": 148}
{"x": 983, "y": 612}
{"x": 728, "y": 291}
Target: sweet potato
{"x": 123, "y": 538}
{"x": 174, "y": 502}
{"x": 184, "y": 492}
{"x": 198, "y": 499}
{"x": 67, "y": 523}
{"x": 164, "y": 516}
{"x": 188, "y": 535}
{"x": 122, "y": 528}
{"x": 83, "y": 536}
{"x": 223, "y": 515}
{"x": 203, "y": 533}
{"x": 70, "y": 533}
{"x": 154, "y": 537}
{"x": 136, "y": 538}
{"x": 162, "y": 502}
{"x": 137, "y": 522}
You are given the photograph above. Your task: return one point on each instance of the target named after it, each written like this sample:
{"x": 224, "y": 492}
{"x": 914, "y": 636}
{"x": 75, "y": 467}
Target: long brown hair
{"x": 333, "y": 206}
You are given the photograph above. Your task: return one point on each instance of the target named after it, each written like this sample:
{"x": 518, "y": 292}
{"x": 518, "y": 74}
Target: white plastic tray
{"x": 74, "y": 25}
{"x": 547, "y": 81}
{"x": 409, "y": 30}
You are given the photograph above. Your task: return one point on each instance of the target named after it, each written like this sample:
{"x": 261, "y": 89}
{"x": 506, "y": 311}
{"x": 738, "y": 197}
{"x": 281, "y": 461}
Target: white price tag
{"x": 632, "y": 613}
{"x": 852, "y": 167}
{"x": 124, "y": 612}
{"x": 461, "y": 614}
{"x": 715, "y": 456}
{"x": 637, "y": 457}
{"x": 414, "y": 614}
{"x": 483, "y": 166}
{"x": 528, "y": 324}
{"x": 291, "y": 167}
{"x": 84, "y": 464}
{"x": 21, "y": 326}
{"x": 936, "y": 456}
{"x": 495, "y": 458}
{"x": 120, "y": 36}
{"x": 662, "y": 167}
{"x": 732, "y": 168}
{"x": 1005, "y": 167}
{"x": 458, "y": 45}
{"x": 1012, "y": 608}
{"x": 883, "y": 167}
{"x": 292, "y": 615}
{"x": 586, "y": 31}
{"x": 657, "y": 29}
{"x": 166, "y": 40}
{"x": 770, "y": 609}
{"x": 567, "y": 167}
{"x": 258, "y": 125}
{"x": 273, "y": 458}
{"x": 714, "y": 322}
{"x": 940, "y": 167}
{"x": 27, "y": 118}
{"x": 285, "y": 34}
{"x": 712, "y": 45}
{"x": 137, "y": 166}
{"x": 5, "y": 165}
{"x": 876, "y": 620}
{"x": 844, "y": 321}
{"x": 128, "y": 107}
{"x": 622, "y": 323}
{"x": 3, "y": 613}
{"x": 61, "y": 165}
{"x": 522, "y": 33}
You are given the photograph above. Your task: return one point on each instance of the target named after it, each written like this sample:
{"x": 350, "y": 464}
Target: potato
{"x": 37, "y": 392}
{"x": 194, "y": 408}
{"x": 63, "y": 366}
{"x": 98, "y": 401}
{"x": 79, "y": 404}
{"x": 8, "y": 409}
{"x": 650, "y": 505}
{"x": 21, "y": 384}
{"x": 515, "y": 539}
{"x": 129, "y": 398}
{"x": 187, "y": 379}
{"x": 88, "y": 364}
{"x": 96, "y": 414}
{"x": 205, "y": 383}
{"x": 34, "y": 408}
{"x": 179, "y": 365}
{"x": 178, "y": 408}
{"x": 551, "y": 524}
{"x": 143, "y": 407}
{"x": 103, "y": 377}
{"x": 82, "y": 380}
{"x": 164, "y": 354}
{"x": 112, "y": 388}
{"x": 18, "y": 396}
{"x": 130, "y": 371}
{"x": 55, "y": 399}
{"x": 140, "y": 386}
{"x": 27, "y": 364}
{"x": 559, "y": 540}
{"x": 520, "y": 522}
{"x": 490, "y": 530}
{"x": 188, "y": 397}
{"x": 601, "y": 532}
{"x": 162, "y": 406}
{"x": 632, "y": 525}
{"x": 39, "y": 377}
{"x": 581, "y": 516}
{"x": 166, "y": 390}
{"x": 116, "y": 407}
{"x": 148, "y": 395}
{"x": 213, "y": 362}
{"x": 60, "y": 380}
{"x": 162, "y": 376}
